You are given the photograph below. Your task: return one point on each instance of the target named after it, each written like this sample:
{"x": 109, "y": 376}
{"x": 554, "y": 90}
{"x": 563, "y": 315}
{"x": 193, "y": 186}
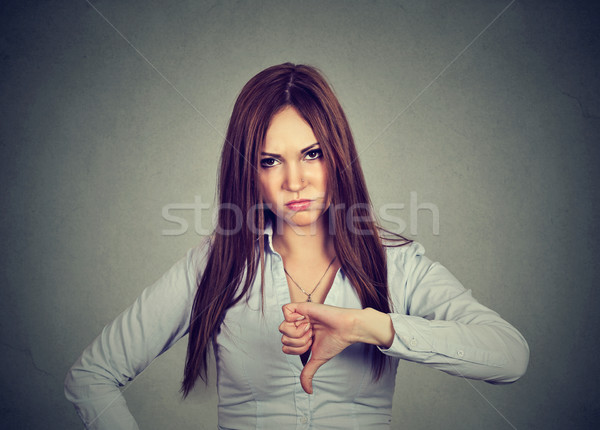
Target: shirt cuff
{"x": 419, "y": 339}
{"x": 412, "y": 338}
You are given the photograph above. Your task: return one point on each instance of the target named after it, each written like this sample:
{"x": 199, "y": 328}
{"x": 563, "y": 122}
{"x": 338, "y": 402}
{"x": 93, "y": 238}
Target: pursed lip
{"x": 297, "y": 202}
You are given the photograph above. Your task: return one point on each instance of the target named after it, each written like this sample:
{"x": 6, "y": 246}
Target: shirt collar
{"x": 268, "y": 237}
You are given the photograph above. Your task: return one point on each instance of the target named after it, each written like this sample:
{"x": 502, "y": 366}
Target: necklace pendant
{"x": 308, "y": 298}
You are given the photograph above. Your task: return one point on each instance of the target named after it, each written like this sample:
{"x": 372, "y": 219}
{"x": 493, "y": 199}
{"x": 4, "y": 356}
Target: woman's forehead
{"x": 288, "y": 130}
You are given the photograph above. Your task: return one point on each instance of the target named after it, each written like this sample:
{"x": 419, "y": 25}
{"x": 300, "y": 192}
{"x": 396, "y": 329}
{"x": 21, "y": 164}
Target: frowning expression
{"x": 292, "y": 172}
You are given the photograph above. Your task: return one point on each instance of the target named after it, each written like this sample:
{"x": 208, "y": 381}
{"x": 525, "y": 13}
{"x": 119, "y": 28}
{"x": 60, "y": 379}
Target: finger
{"x": 298, "y": 341}
{"x": 301, "y": 322}
{"x": 297, "y": 350}
{"x": 294, "y": 329}
{"x": 290, "y": 314}
{"x": 308, "y": 373}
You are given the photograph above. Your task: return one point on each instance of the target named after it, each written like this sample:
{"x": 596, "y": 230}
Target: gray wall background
{"x": 94, "y": 142}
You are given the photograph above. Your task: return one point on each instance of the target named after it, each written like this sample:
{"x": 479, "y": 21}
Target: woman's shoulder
{"x": 405, "y": 258}
{"x": 401, "y": 248}
{"x": 197, "y": 256}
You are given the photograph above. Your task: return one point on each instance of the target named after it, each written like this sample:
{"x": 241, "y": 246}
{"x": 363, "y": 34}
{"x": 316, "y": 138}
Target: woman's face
{"x": 292, "y": 172}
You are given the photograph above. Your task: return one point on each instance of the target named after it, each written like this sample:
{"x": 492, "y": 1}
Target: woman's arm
{"x": 151, "y": 325}
{"x": 436, "y": 322}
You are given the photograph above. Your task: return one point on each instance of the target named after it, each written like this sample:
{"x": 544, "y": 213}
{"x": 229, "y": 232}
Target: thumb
{"x": 308, "y": 373}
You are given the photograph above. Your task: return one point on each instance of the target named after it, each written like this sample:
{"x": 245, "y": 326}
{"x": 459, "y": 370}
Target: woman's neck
{"x": 293, "y": 242}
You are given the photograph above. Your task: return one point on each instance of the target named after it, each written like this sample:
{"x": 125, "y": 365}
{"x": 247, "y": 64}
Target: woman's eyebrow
{"x": 308, "y": 148}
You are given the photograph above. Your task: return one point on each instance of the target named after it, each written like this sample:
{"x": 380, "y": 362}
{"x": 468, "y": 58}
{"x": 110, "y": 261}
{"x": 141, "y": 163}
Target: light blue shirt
{"x": 437, "y": 323}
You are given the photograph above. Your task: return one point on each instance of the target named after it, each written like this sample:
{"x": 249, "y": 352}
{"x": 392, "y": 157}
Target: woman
{"x": 295, "y": 233}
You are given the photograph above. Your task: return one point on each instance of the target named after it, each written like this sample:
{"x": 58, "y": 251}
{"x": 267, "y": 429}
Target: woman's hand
{"x": 327, "y": 328}
{"x": 296, "y": 332}
{"x": 330, "y": 330}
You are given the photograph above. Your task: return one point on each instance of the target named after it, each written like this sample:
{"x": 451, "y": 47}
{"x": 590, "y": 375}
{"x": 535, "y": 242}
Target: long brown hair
{"x": 235, "y": 251}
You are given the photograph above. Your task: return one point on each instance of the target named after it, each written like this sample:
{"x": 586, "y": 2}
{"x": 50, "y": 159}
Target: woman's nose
{"x": 294, "y": 180}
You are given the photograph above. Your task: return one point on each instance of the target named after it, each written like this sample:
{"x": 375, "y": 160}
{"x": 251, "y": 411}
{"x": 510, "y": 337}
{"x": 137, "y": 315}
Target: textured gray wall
{"x": 95, "y": 140}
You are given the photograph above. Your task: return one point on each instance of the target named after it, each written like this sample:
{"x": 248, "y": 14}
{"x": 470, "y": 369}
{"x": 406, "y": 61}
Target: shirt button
{"x": 413, "y": 342}
{"x": 460, "y": 353}
{"x": 304, "y": 420}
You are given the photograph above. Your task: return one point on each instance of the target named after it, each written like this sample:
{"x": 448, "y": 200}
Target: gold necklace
{"x": 308, "y": 299}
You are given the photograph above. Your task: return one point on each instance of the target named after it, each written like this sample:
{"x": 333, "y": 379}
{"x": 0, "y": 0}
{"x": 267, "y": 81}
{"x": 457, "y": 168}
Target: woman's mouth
{"x": 299, "y": 205}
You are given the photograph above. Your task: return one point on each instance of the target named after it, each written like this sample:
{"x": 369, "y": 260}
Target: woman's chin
{"x": 305, "y": 220}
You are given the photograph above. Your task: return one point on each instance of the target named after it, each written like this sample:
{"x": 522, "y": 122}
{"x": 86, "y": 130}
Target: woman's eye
{"x": 268, "y": 162}
{"x": 314, "y": 154}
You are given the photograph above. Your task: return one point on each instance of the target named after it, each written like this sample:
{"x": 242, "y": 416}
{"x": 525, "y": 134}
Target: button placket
{"x": 302, "y": 401}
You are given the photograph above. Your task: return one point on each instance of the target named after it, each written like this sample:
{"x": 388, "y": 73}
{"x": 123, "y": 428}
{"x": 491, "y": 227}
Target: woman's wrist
{"x": 374, "y": 327}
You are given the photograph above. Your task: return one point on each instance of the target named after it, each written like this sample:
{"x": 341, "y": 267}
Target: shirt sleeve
{"x": 439, "y": 323}
{"x": 151, "y": 325}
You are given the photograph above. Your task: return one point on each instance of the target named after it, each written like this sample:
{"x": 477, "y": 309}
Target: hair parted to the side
{"x": 235, "y": 253}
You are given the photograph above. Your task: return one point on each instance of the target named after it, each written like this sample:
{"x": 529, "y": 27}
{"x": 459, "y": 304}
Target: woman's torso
{"x": 259, "y": 385}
